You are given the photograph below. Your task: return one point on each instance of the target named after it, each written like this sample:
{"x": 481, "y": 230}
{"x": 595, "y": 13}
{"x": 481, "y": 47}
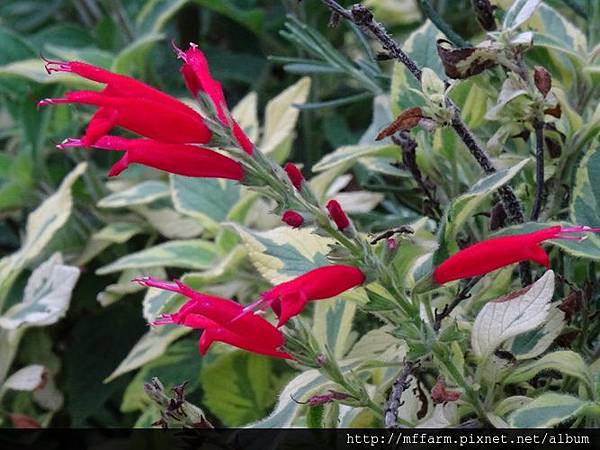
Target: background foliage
{"x": 71, "y": 240}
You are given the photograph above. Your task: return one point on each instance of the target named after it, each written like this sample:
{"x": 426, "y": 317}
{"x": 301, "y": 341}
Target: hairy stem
{"x": 393, "y": 401}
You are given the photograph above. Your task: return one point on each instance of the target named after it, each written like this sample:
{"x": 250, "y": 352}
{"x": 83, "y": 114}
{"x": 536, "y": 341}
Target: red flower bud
{"x": 492, "y": 254}
{"x": 338, "y": 215}
{"x": 294, "y": 174}
{"x": 292, "y": 218}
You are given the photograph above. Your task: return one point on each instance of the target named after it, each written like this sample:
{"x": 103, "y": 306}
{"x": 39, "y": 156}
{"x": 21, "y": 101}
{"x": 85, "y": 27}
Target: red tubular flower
{"x": 294, "y": 174}
{"x": 216, "y": 316}
{"x": 197, "y": 76}
{"x": 133, "y": 105}
{"x": 338, "y": 215}
{"x": 289, "y": 299}
{"x": 180, "y": 159}
{"x": 492, "y": 254}
{"x": 292, "y": 218}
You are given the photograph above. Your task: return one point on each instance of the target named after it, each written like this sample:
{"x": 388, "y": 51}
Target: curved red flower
{"x": 289, "y": 299}
{"x": 180, "y": 159}
{"x": 491, "y": 254}
{"x": 216, "y": 316}
{"x": 133, "y": 105}
{"x": 198, "y": 78}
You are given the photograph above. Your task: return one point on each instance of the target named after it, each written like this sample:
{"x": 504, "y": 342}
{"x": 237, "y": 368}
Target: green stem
{"x": 443, "y": 26}
{"x": 460, "y": 380}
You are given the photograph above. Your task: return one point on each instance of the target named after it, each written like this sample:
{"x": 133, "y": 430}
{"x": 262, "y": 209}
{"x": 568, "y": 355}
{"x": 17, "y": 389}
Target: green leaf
{"x": 351, "y": 153}
{"x": 207, "y": 199}
{"x": 300, "y": 388}
{"x": 42, "y": 225}
{"x": 585, "y": 200}
{"x": 564, "y": 361}
{"x": 462, "y": 208}
{"x": 13, "y": 47}
{"x": 98, "y": 342}
{"x": 169, "y": 222}
{"x": 140, "y": 194}
{"x": 155, "y": 14}
{"x": 150, "y": 346}
{"x": 504, "y": 318}
{"x": 550, "y": 23}
{"x": 46, "y": 298}
{"x": 281, "y": 116}
{"x": 189, "y": 254}
{"x": 238, "y": 387}
{"x": 248, "y": 16}
{"x": 519, "y": 12}
{"x": 332, "y": 324}
{"x": 135, "y": 54}
{"x": 535, "y": 342}
{"x": 113, "y": 233}
{"x": 547, "y": 410}
{"x": 245, "y": 113}
{"x": 284, "y": 253}
{"x": 421, "y": 47}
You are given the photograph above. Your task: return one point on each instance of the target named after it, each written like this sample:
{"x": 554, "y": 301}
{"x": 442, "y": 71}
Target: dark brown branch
{"x": 363, "y": 18}
{"x": 393, "y": 401}
{"x": 463, "y": 294}
{"x": 538, "y": 126}
{"x": 409, "y": 158}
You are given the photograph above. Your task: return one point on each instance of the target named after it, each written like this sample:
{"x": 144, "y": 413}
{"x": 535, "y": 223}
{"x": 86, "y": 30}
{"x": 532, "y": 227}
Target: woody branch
{"x": 363, "y": 18}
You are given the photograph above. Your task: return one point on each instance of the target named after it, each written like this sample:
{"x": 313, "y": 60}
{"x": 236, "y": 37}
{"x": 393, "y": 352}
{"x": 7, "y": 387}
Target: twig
{"x": 393, "y": 402}
{"x": 538, "y": 126}
{"x": 444, "y": 27}
{"x": 409, "y": 145}
{"x": 362, "y": 17}
{"x": 462, "y": 295}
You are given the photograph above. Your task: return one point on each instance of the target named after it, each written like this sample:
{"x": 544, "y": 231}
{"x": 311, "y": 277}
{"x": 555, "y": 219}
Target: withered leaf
{"x": 555, "y": 111}
{"x": 405, "y": 121}
{"x": 460, "y": 63}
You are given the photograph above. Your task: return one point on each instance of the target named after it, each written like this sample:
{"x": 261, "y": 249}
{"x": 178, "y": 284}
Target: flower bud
{"x": 292, "y": 218}
{"x": 542, "y": 79}
{"x": 294, "y": 174}
{"x": 338, "y": 215}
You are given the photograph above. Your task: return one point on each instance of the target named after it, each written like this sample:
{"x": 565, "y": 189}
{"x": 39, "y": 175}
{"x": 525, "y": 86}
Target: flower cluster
{"x": 172, "y": 131}
{"x": 227, "y": 321}
{"x": 176, "y": 139}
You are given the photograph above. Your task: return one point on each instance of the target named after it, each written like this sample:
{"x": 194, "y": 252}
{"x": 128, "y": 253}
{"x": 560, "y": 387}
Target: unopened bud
{"x": 542, "y": 79}
{"x": 294, "y": 174}
{"x": 338, "y": 215}
{"x": 292, "y": 218}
